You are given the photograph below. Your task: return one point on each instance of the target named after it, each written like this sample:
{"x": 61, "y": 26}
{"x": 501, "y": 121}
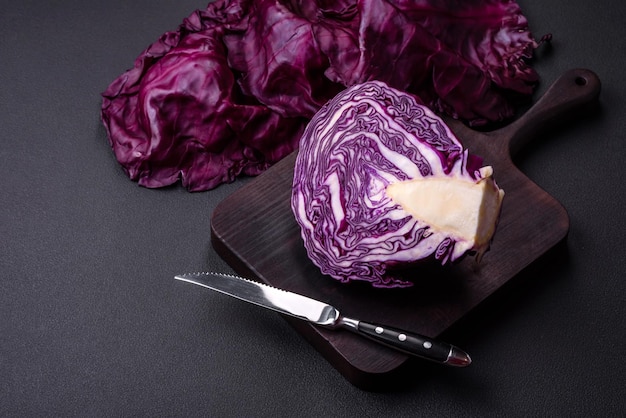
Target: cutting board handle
{"x": 571, "y": 92}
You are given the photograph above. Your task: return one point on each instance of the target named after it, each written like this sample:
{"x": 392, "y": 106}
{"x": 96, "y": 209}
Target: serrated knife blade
{"x": 325, "y": 315}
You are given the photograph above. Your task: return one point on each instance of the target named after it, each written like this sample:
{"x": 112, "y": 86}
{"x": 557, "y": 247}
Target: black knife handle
{"x": 414, "y": 344}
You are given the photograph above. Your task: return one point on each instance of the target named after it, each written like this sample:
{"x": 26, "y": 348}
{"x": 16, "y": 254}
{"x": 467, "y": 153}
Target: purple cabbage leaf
{"x": 230, "y": 91}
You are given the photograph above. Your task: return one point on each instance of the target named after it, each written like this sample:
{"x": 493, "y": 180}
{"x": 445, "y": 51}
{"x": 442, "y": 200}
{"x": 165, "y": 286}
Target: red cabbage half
{"x": 380, "y": 181}
{"x": 231, "y": 90}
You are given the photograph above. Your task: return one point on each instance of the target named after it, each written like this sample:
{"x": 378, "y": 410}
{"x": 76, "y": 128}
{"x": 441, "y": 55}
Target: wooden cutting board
{"x": 255, "y": 232}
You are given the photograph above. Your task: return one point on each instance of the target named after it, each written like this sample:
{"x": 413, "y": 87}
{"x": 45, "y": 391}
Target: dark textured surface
{"x": 93, "y": 324}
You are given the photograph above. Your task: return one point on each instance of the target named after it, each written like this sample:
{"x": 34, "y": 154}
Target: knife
{"x": 322, "y": 314}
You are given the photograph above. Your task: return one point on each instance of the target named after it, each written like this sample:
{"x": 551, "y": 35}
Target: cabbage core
{"x": 463, "y": 209}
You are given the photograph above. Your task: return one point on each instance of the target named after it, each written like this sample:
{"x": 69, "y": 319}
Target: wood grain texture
{"x": 255, "y": 232}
